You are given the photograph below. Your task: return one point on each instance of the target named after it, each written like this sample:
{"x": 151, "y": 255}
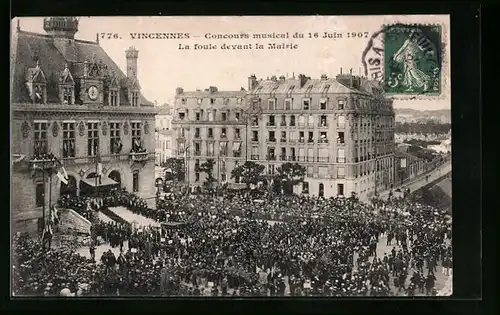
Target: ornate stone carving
{"x": 104, "y": 128}
{"x": 25, "y": 129}
{"x": 55, "y": 129}
{"x": 146, "y": 127}
{"x": 81, "y": 129}
{"x": 125, "y": 128}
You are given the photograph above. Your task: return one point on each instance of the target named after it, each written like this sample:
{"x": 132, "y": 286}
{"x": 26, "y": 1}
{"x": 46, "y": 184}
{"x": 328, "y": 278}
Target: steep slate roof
{"x": 217, "y": 94}
{"x": 318, "y": 87}
{"x": 28, "y": 47}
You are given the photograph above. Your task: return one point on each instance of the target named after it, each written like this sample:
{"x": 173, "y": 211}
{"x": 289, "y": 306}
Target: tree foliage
{"x": 207, "y": 167}
{"x": 174, "y": 169}
{"x": 249, "y": 173}
{"x": 289, "y": 175}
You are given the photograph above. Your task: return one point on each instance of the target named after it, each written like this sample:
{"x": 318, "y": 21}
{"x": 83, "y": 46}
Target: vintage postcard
{"x": 231, "y": 156}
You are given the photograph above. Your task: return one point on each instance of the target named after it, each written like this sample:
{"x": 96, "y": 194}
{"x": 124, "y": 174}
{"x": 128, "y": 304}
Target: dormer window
{"x": 113, "y": 97}
{"x": 271, "y": 103}
{"x": 67, "y": 95}
{"x": 66, "y": 87}
{"x": 306, "y": 102}
{"x": 135, "y": 98}
{"x": 39, "y": 94}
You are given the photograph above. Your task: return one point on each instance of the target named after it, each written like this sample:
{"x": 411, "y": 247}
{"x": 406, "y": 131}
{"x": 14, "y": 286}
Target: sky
{"x": 162, "y": 66}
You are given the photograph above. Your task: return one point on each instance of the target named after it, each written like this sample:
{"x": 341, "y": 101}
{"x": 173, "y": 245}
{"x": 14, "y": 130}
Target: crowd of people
{"x": 251, "y": 244}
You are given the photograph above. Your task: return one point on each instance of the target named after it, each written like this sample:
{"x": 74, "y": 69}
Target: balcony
{"x": 271, "y": 139}
{"x": 323, "y": 141}
{"x": 292, "y": 158}
{"x": 271, "y": 157}
{"x": 301, "y": 159}
{"x": 283, "y": 140}
{"x": 341, "y": 126}
{"x": 269, "y": 124}
{"x": 310, "y": 159}
{"x": 254, "y": 157}
{"x": 292, "y": 125}
{"x": 139, "y": 156}
{"x": 303, "y": 124}
{"x": 283, "y": 124}
{"x": 323, "y": 125}
{"x": 310, "y": 140}
{"x": 255, "y": 139}
{"x": 323, "y": 159}
{"x": 223, "y": 137}
{"x": 197, "y": 136}
{"x": 237, "y": 154}
{"x": 341, "y": 160}
{"x": 254, "y": 125}
{"x": 237, "y": 137}
{"x": 302, "y": 140}
{"x": 283, "y": 158}
{"x": 43, "y": 162}
{"x": 211, "y": 137}
{"x": 197, "y": 153}
{"x": 339, "y": 176}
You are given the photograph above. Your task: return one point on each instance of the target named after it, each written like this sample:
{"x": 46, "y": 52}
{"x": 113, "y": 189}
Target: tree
{"x": 289, "y": 175}
{"x": 208, "y": 168}
{"x": 249, "y": 173}
{"x": 174, "y": 169}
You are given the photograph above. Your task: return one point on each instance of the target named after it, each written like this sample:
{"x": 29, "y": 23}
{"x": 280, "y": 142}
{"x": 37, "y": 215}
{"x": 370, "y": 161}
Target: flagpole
{"x": 44, "y": 188}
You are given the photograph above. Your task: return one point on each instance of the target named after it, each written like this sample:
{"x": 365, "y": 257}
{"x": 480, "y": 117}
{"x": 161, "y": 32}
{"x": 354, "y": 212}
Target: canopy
{"x": 105, "y": 181}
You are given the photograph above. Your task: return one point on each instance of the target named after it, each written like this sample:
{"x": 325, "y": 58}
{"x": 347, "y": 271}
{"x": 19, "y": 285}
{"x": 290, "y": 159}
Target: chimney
{"x": 131, "y": 55}
{"x": 273, "y": 78}
{"x": 303, "y": 79}
{"x": 282, "y": 78}
{"x": 252, "y": 82}
{"x": 179, "y": 90}
{"x": 324, "y": 77}
{"x": 340, "y": 70}
{"x": 212, "y": 89}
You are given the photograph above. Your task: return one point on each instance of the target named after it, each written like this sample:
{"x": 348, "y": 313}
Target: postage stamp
{"x": 412, "y": 59}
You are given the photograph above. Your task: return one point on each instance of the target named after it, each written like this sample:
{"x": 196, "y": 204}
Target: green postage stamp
{"x": 412, "y": 59}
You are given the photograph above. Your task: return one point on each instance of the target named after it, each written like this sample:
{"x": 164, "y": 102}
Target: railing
{"x": 323, "y": 159}
{"x": 323, "y": 141}
{"x": 197, "y": 136}
{"x": 340, "y": 176}
{"x": 254, "y": 157}
{"x": 139, "y": 156}
{"x": 237, "y": 137}
{"x": 323, "y": 125}
{"x": 237, "y": 154}
{"x": 302, "y": 124}
{"x": 271, "y": 157}
{"x": 271, "y": 124}
{"x": 292, "y": 158}
{"x": 292, "y": 125}
{"x": 310, "y": 140}
{"x": 282, "y": 140}
{"x": 283, "y": 158}
{"x": 302, "y": 140}
{"x": 310, "y": 159}
{"x": 197, "y": 153}
{"x": 255, "y": 140}
{"x": 283, "y": 124}
{"x": 271, "y": 139}
{"x": 341, "y": 160}
{"x": 340, "y": 125}
{"x": 43, "y": 163}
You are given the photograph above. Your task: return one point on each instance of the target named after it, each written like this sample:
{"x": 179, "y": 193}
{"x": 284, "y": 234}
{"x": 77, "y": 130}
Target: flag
{"x": 61, "y": 172}
{"x": 98, "y": 161}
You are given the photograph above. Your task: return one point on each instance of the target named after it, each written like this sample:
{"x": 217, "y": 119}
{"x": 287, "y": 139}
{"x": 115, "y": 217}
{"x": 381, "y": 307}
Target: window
{"x": 196, "y": 177}
{"x": 200, "y": 101}
{"x": 135, "y": 99}
{"x": 322, "y": 137}
{"x": 340, "y": 189}
{"x": 167, "y": 144}
{"x": 255, "y": 121}
{"x": 223, "y": 148}
{"x": 224, "y": 116}
{"x": 270, "y": 153}
{"x": 237, "y": 116}
{"x": 283, "y": 120}
{"x": 136, "y": 136}
{"x": 198, "y": 116}
{"x": 210, "y": 133}
{"x": 340, "y": 172}
{"x": 292, "y": 120}
{"x": 305, "y": 187}
{"x": 115, "y": 144}
{"x": 135, "y": 182}
{"x": 271, "y": 103}
{"x": 255, "y": 135}
{"x": 310, "y": 121}
{"x": 283, "y": 136}
{"x": 341, "y": 104}
{"x": 92, "y": 138}
{"x": 113, "y": 97}
{"x": 39, "y": 194}
{"x": 40, "y": 138}
{"x": 301, "y": 136}
{"x": 212, "y": 101}
{"x": 271, "y": 136}
{"x": 341, "y": 121}
{"x": 196, "y": 132}
{"x": 223, "y": 177}
{"x": 306, "y": 103}
{"x": 223, "y": 133}
{"x": 322, "y": 104}
{"x": 340, "y": 138}
{"x": 210, "y": 149}
{"x": 67, "y": 95}
{"x": 39, "y": 94}
{"x": 340, "y": 155}
{"x": 283, "y": 154}
{"x": 288, "y": 104}
{"x": 237, "y": 133}
{"x": 323, "y": 121}
{"x": 197, "y": 149}
{"x": 310, "y": 138}
{"x": 271, "y": 121}
{"x": 182, "y": 116}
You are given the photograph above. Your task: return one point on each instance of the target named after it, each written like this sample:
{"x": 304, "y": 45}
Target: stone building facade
{"x": 70, "y": 100}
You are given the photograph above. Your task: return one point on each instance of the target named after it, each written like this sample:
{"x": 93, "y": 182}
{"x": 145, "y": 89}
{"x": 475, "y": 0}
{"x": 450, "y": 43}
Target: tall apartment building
{"x": 341, "y": 129}
{"x": 163, "y": 134}
{"x": 69, "y": 99}
{"x": 210, "y": 124}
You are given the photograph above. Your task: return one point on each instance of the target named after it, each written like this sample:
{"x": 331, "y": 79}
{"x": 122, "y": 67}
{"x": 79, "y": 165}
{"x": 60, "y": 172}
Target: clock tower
{"x": 91, "y": 83}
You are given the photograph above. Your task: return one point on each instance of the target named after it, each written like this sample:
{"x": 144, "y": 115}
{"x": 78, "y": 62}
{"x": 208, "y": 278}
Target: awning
{"x": 105, "y": 181}
{"x": 236, "y": 146}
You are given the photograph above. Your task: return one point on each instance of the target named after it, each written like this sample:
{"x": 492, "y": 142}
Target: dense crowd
{"x": 315, "y": 246}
